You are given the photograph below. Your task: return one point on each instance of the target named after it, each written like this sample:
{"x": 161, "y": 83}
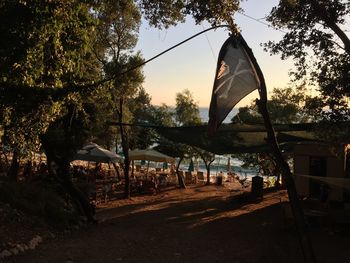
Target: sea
{"x": 204, "y": 113}
{"x": 225, "y": 164}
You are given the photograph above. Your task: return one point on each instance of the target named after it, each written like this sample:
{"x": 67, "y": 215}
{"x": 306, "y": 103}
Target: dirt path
{"x": 200, "y": 224}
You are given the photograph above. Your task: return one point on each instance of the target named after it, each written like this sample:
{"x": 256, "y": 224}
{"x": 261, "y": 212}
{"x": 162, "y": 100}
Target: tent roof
{"x": 246, "y": 138}
{"x": 150, "y": 155}
{"x": 238, "y": 138}
{"x": 95, "y": 153}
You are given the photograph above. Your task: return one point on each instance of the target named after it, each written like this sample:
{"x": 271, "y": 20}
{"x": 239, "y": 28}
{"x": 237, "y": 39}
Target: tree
{"x": 317, "y": 42}
{"x": 53, "y": 56}
{"x": 43, "y": 47}
{"x": 165, "y": 116}
{"x": 287, "y": 105}
{"x": 187, "y": 113}
{"x": 141, "y": 109}
{"x": 119, "y": 35}
{"x": 207, "y": 157}
{"x": 186, "y": 110}
{"x": 168, "y": 13}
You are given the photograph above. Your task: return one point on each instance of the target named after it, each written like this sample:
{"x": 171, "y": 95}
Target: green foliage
{"x": 319, "y": 46}
{"x": 53, "y": 46}
{"x": 162, "y": 115}
{"x": 44, "y": 47}
{"x": 167, "y": 13}
{"x": 45, "y": 42}
{"x": 286, "y": 105}
{"x": 41, "y": 199}
{"x": 119, "y": 22}
{"x": 141, "y": 109}
{"x": 187, "y": 110}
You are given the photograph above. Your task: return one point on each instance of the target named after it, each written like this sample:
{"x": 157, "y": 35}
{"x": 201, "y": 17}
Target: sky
{"x": 192, "y": 65}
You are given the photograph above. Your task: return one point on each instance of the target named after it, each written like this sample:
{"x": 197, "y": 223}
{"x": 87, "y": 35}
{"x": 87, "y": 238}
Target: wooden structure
{"x": 316, "y": 159}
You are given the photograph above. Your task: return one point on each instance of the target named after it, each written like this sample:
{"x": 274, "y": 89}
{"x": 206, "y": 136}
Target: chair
{"x": 189, "y": 178}
{"x": 138, "y": 168}
{"x": 200, "y": 176}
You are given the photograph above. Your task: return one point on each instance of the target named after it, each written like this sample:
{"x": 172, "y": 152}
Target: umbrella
{"x": 95, "y": 153}
{"x": 150, "y": 155}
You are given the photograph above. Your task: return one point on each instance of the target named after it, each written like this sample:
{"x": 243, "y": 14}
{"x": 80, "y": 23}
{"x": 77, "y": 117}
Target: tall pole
{"x": 297, "y": 210}
{"x": 125, "y": 146}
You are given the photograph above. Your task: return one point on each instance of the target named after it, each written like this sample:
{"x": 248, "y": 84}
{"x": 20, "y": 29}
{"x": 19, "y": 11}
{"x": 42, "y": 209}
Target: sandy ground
{"x": 198, "y": 224}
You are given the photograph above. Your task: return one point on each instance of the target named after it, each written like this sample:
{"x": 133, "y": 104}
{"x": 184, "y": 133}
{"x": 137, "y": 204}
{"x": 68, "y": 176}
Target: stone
{"x": 5, "y": 253}
{"x": 14, "y": 251}
{"x": 39, "y": 239}
{"x": 32, "y": 244}
{"x": 20, "y": 247}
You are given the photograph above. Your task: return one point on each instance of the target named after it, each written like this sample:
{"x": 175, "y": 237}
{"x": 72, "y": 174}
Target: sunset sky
{"x": 192, "y": 65}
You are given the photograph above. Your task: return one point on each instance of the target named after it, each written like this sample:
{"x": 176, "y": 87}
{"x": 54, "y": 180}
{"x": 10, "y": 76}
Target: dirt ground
{"x": 198, "y": 224}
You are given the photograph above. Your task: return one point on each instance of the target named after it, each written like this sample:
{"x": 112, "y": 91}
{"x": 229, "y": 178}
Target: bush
{"x": 40, "y": 199}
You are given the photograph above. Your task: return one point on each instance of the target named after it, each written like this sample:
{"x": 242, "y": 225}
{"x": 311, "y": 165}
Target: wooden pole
{"x": 297, "y": 210}
{"x": 125, "y": 146}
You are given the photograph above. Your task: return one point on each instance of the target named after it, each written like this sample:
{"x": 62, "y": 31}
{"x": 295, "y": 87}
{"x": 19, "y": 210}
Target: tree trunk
{"x": 59, "y": 170}
{"x": 179, "y": 177}
{"x": 207, "y": 165}
{"x": 125, "y": 146}
{"x": 208, "y": 173}
{"x": 330, "y": 22}
{"x": 291, "y": 189}
{"x": 13, "y": 171}
{"x": 116, "y": 168}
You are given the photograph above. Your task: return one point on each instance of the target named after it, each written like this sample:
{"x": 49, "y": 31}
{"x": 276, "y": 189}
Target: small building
{"x": 321, "y": 160}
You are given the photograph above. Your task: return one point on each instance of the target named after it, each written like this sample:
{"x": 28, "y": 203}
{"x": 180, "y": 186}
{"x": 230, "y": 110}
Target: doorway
{"x": 318, "y": 167}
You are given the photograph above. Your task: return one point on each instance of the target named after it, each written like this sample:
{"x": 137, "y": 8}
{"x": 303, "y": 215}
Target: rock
{"x": 20, "y": 247}
{"x": 5, "y": 253}
{"x": 39, "y": 239}
{"x": 32, "y": 244}
{"x": 14, "y": 251}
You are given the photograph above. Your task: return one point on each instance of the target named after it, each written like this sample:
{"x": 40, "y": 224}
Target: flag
{"x": 235, "y": 78}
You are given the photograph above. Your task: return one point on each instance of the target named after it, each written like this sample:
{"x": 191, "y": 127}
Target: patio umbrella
{"x": 150, "y": 155}
{"x": 95, "y": 153}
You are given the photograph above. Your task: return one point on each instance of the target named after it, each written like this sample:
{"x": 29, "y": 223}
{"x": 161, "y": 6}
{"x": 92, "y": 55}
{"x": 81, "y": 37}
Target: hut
{"x": 321, "y": 169}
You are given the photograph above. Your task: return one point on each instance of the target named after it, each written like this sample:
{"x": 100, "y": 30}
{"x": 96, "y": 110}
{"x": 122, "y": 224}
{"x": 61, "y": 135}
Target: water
{"x": 204, "y": 113}
{"x": 221, "y": 164}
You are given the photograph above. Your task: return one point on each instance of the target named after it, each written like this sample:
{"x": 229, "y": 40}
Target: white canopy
{"x": 95, "y": 153}
{"x": 150, "y": 155}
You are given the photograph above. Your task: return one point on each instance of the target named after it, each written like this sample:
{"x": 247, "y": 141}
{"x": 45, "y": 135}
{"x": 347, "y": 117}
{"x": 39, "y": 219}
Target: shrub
{"x": 43, "y": 199}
